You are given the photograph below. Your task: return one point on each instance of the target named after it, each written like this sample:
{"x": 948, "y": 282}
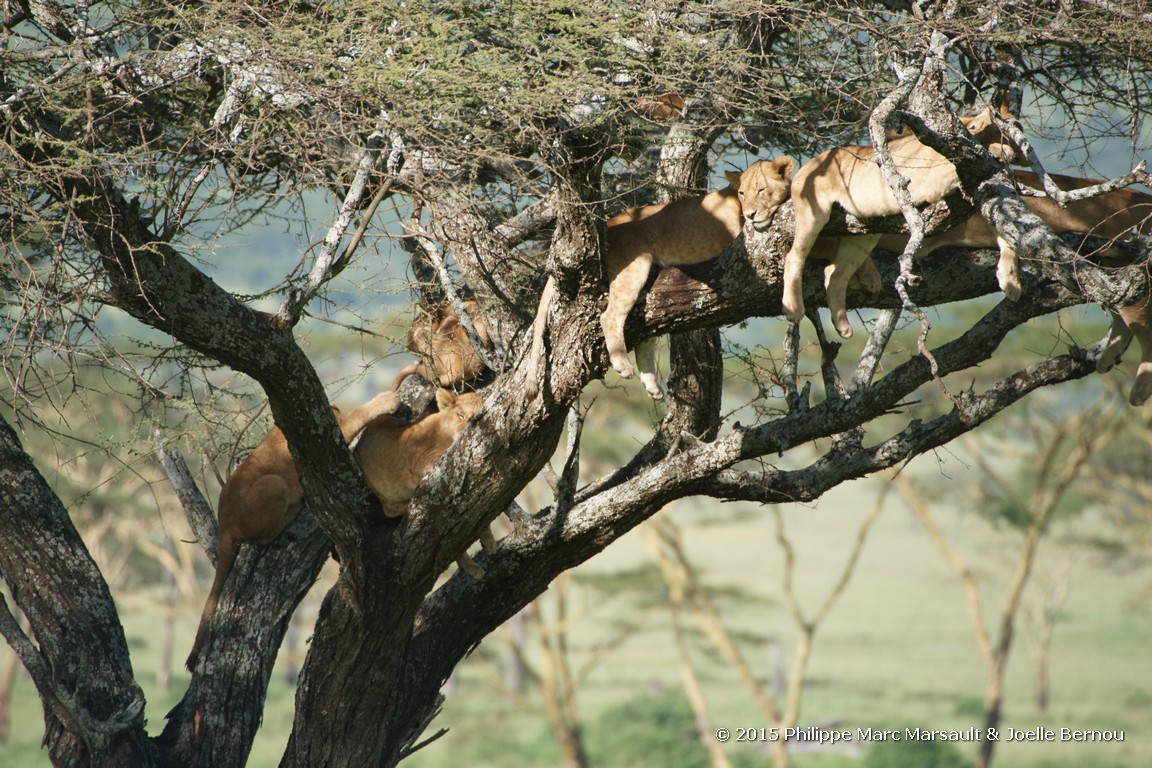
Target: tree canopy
{"x": 137, "y": 136}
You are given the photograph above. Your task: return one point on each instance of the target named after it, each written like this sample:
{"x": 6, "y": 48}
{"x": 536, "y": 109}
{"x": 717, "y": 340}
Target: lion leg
{"x": 869, "y": 276}
{"x": 793, "y": 298}
{"x": 358, "y": 418}
{"x": 853, "y": 252}
{"x": 225, "y": 557}
{"x": 1138, "y": 319}
{"x": 1008, "y": 270}
{"x": 465, "y": 561}
{"x": 809, "y": 222}
{"x": 646, "y": 362}
{"x": 469, "y": 566}
{"x": 623, "y": 290}
{"x": 265, "y": 509}
{"x": 1115, "y": 343}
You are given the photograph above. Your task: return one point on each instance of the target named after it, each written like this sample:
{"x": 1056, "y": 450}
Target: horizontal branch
{"x": 745, "y": 280}
{"x": 1138, "y": 174}
{"x": 970, "y": 410}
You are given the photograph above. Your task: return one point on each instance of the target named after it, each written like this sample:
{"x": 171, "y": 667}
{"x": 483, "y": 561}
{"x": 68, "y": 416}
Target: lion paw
{"x": 1114, "y": 347}
{"x": 1142, "y": 388}
{"x": 652, "y": 385}
{"x": 622, "y": 366}
{"x": 1107, "y": 360}
{"x": 1012, "y": 289}
{"x": 469, "y": 566}
{"x": 843, "y": 327}
{"x": 793, "y": 310}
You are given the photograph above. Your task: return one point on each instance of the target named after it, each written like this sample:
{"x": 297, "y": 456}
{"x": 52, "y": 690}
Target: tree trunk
{"x": 215, "y": 722}
{"x": 94, "y": 710}
{"x": 993, "y": 702}
{"x": 1041, "y": 684}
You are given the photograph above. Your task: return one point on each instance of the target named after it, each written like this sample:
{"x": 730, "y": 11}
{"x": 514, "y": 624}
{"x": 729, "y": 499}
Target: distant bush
{"x": 969, "y": 706}
{"x": 1138, "y": 700}
{"x": 647, "y": 732}
{"x": 914, "y": 754}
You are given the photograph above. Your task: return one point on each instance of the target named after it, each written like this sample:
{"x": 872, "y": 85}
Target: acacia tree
{"x": 136, "y": 133}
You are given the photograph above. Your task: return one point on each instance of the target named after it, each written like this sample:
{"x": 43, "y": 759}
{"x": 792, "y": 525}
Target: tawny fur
{"x": 447, "y": 357}
{"x": 395, "y": 455}
{"x": 664, "y": 107}
{"x": 848, "y": 177}
{"x": 1113, "y": 216}
{"x": 262, "y": 496}
{"x": 687, "y": 231}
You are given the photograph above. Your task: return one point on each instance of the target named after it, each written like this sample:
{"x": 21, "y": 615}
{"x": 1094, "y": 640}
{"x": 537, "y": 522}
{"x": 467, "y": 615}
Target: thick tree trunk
{"x": 214, "y": 724}
{"x": 94, "y": 710}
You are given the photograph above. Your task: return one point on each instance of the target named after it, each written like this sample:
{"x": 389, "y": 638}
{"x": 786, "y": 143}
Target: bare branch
{"x": 869, "y": 363}
{"x": 329, "y": 262}
{"x": 196, "y": 507}
{"x": 1138, "y": 175}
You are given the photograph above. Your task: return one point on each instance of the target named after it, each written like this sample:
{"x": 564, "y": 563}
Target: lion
{"x": 849, "y": 177}
{"x": 446, "y": 355}
{"x": 263, "y": 495}
{"x": 1112, "y": 215}
{"x": 396, "y": 454}
{"x": 687, "y": 231}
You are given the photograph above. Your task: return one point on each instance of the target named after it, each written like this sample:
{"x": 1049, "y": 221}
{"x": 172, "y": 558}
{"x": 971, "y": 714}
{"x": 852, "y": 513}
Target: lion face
{"x": 457, "y": 409}
{"x": 762, "y": 188}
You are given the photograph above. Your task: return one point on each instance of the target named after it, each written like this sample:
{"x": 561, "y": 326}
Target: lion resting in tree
{"x": 396, "y": 454}
{"x": 446, "y": 355}
{"x": 263, "y": 495}
{"x": 1112, "y": 215}
{"x": 849, "y": 177}
{"x": 687, "y": 231}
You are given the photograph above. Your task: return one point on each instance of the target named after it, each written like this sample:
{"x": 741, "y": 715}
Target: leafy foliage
{"x": 648, "y": 732}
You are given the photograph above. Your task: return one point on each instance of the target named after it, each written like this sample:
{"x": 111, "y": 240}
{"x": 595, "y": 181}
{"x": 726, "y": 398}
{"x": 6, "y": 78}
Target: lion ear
{"x": 733, "y": 178}
{"x": 784, "y": 167}
{"x": 445, "y": 399}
